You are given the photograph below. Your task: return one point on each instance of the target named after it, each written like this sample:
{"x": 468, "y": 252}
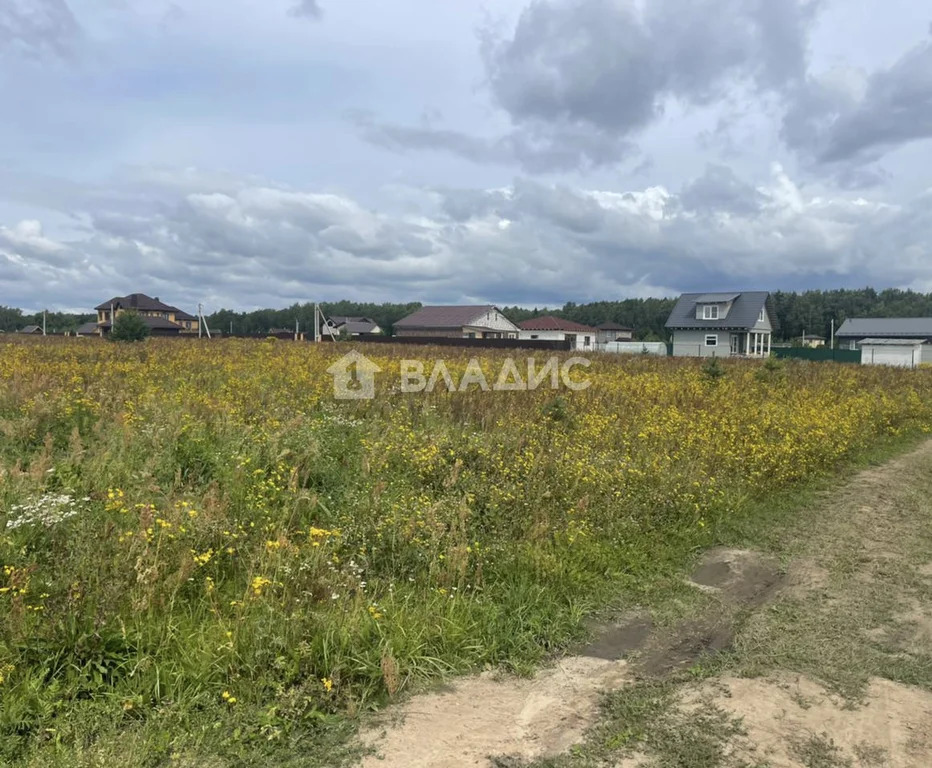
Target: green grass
{"x": 252, "y": 567}
{"x": 869, "y": 549}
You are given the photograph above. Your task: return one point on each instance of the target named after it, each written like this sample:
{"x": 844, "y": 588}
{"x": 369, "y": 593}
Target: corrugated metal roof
{"x": 891, "y": 342}
{"x": 742, "y": 316}
{"x": 716, "y": 298}
{"x": 551, "y": 323}
{"x": 886, "y": 327}
{"x": 445, "y": 316}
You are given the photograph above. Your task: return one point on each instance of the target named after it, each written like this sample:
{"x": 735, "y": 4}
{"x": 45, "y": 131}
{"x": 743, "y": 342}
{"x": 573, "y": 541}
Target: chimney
{"x": 156, "y": 298}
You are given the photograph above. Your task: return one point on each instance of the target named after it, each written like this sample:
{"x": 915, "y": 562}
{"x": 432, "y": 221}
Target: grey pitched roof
{"x": 741, "y": 317}
{"x": 354, "y": 324}
{"x": 30, "y": 329}
{"x": 716, "y": 298}
{"x": 87, "y": 329}
{"x": 359, "y": 326}
{"x": 891, "y": 342}
{"x": 446, "y": 317}
{"x": 886, "y": 327}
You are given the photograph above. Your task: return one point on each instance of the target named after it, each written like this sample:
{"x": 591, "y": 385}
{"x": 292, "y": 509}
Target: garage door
{"x": 887, "y": 355}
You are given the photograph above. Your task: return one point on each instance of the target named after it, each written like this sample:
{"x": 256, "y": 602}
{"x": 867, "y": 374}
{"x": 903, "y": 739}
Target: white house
{"x": 353, "y": 326}
{"x": 550, "y": 328}
{"x": 722, "y": 324}
{"x": 469, "y": 322}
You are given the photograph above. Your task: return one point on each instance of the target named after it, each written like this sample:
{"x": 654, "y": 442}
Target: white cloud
{"x": 249, "y": 246}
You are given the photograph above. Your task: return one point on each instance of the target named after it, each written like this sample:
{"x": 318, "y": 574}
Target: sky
{"x": 246, "y": 154}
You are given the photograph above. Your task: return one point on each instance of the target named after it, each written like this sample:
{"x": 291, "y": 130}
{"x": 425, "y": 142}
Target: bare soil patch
{"x": 491, "y": 715}
{"x": 788, "y": 720}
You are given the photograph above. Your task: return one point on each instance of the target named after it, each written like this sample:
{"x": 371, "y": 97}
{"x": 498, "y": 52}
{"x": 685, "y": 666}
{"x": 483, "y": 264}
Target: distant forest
{"x": 810, "y": 311}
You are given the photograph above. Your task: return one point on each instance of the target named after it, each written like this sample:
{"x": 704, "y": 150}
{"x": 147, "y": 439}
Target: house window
{"x": 711, "y": 340}
{"x": 534, "y": 336}
{"x": 585, "y": 341}
{"x": 710, "y": 312}
{"x": 762, "y": 316}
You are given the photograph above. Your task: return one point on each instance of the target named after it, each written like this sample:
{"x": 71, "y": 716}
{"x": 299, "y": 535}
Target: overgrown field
{"x": 205, "y": 559}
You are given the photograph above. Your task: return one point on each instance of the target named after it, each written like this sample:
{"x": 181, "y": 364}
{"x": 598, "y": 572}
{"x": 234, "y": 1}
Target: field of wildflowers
{"x": 203, "y": 553}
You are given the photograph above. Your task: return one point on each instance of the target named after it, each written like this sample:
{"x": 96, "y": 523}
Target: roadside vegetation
{"x": 207, "y": 560}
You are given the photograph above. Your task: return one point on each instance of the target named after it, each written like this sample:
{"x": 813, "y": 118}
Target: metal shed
{"x": 902, "y": 353}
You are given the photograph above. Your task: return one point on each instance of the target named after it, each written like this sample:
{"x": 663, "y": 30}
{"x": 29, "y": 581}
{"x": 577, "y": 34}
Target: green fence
{"x": 819, "y": 353}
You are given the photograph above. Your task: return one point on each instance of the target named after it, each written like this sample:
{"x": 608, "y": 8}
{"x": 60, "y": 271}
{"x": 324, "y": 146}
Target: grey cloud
{"x": 247, "y": 244}
{"x": 36, "y": 26}
{"x": 578, "y": 78}
{"x": 306, "y": 8}
{"x": 835, "y": 119}
{"x": 606, "y": 64}
{"x": 536, "y": 147}
{"x": 719, "y": 189}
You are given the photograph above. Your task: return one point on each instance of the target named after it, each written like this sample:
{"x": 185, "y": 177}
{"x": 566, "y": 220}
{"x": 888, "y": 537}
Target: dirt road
{"x": 812, "y": 649}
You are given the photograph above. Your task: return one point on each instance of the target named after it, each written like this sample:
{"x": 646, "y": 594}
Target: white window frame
{"x": 710, "y": 311}
{"x": 711, "y": 336}
{"x": 762, "y": 316}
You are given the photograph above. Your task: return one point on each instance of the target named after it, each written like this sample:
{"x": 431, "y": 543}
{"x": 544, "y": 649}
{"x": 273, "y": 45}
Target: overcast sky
{"x": 249, "y": 154}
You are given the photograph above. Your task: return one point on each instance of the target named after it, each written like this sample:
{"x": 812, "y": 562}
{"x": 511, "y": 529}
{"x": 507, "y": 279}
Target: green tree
{"x": 129, "y": 326}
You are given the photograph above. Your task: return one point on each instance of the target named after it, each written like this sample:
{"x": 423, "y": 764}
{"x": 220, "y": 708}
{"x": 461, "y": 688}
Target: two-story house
{"x": 162, "y": 319}
{"x": 722, "y": 324}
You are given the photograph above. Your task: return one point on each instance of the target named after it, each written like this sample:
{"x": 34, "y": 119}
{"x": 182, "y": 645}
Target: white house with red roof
{"x": 550, "y": 328}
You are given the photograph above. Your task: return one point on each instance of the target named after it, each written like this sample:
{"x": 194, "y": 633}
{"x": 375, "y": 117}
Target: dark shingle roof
{"x": 30, "y": 329}
{"x": 551, "y": 323}
{"x": 716, "y": 298}
{"x": 613, "y": 327}
{"x": 138, "y": 301}
{"x": 87, "y": 329}
{"x": 445, "y": 317}
{"x": 742, "y": 315}
{"x": 886, "y": 327}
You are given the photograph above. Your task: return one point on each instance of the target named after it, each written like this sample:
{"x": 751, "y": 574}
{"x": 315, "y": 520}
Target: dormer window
{"x": 710, "y": 312}
{"x": 762, "y": 316}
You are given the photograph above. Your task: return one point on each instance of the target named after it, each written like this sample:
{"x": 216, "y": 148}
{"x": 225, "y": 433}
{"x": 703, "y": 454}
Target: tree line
{"x": 12, "y": 319}
{"x": 809, "y": 311}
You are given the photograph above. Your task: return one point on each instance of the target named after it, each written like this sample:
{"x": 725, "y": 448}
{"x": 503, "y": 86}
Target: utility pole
{"x": 44, "y": 313}
{"x": 316, "y": 322}
{"x": 231, "y": 327}
{"x": 201, "y": 321}
{"x": 833, "y": 334}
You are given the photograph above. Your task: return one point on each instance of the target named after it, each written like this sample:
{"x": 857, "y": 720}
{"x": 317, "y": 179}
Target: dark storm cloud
{"x": 578, "y": 78}
{"x": 841, "y": 117}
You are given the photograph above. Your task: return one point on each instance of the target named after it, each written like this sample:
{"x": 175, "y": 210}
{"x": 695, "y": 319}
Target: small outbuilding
{"x": 902, "y": 353}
